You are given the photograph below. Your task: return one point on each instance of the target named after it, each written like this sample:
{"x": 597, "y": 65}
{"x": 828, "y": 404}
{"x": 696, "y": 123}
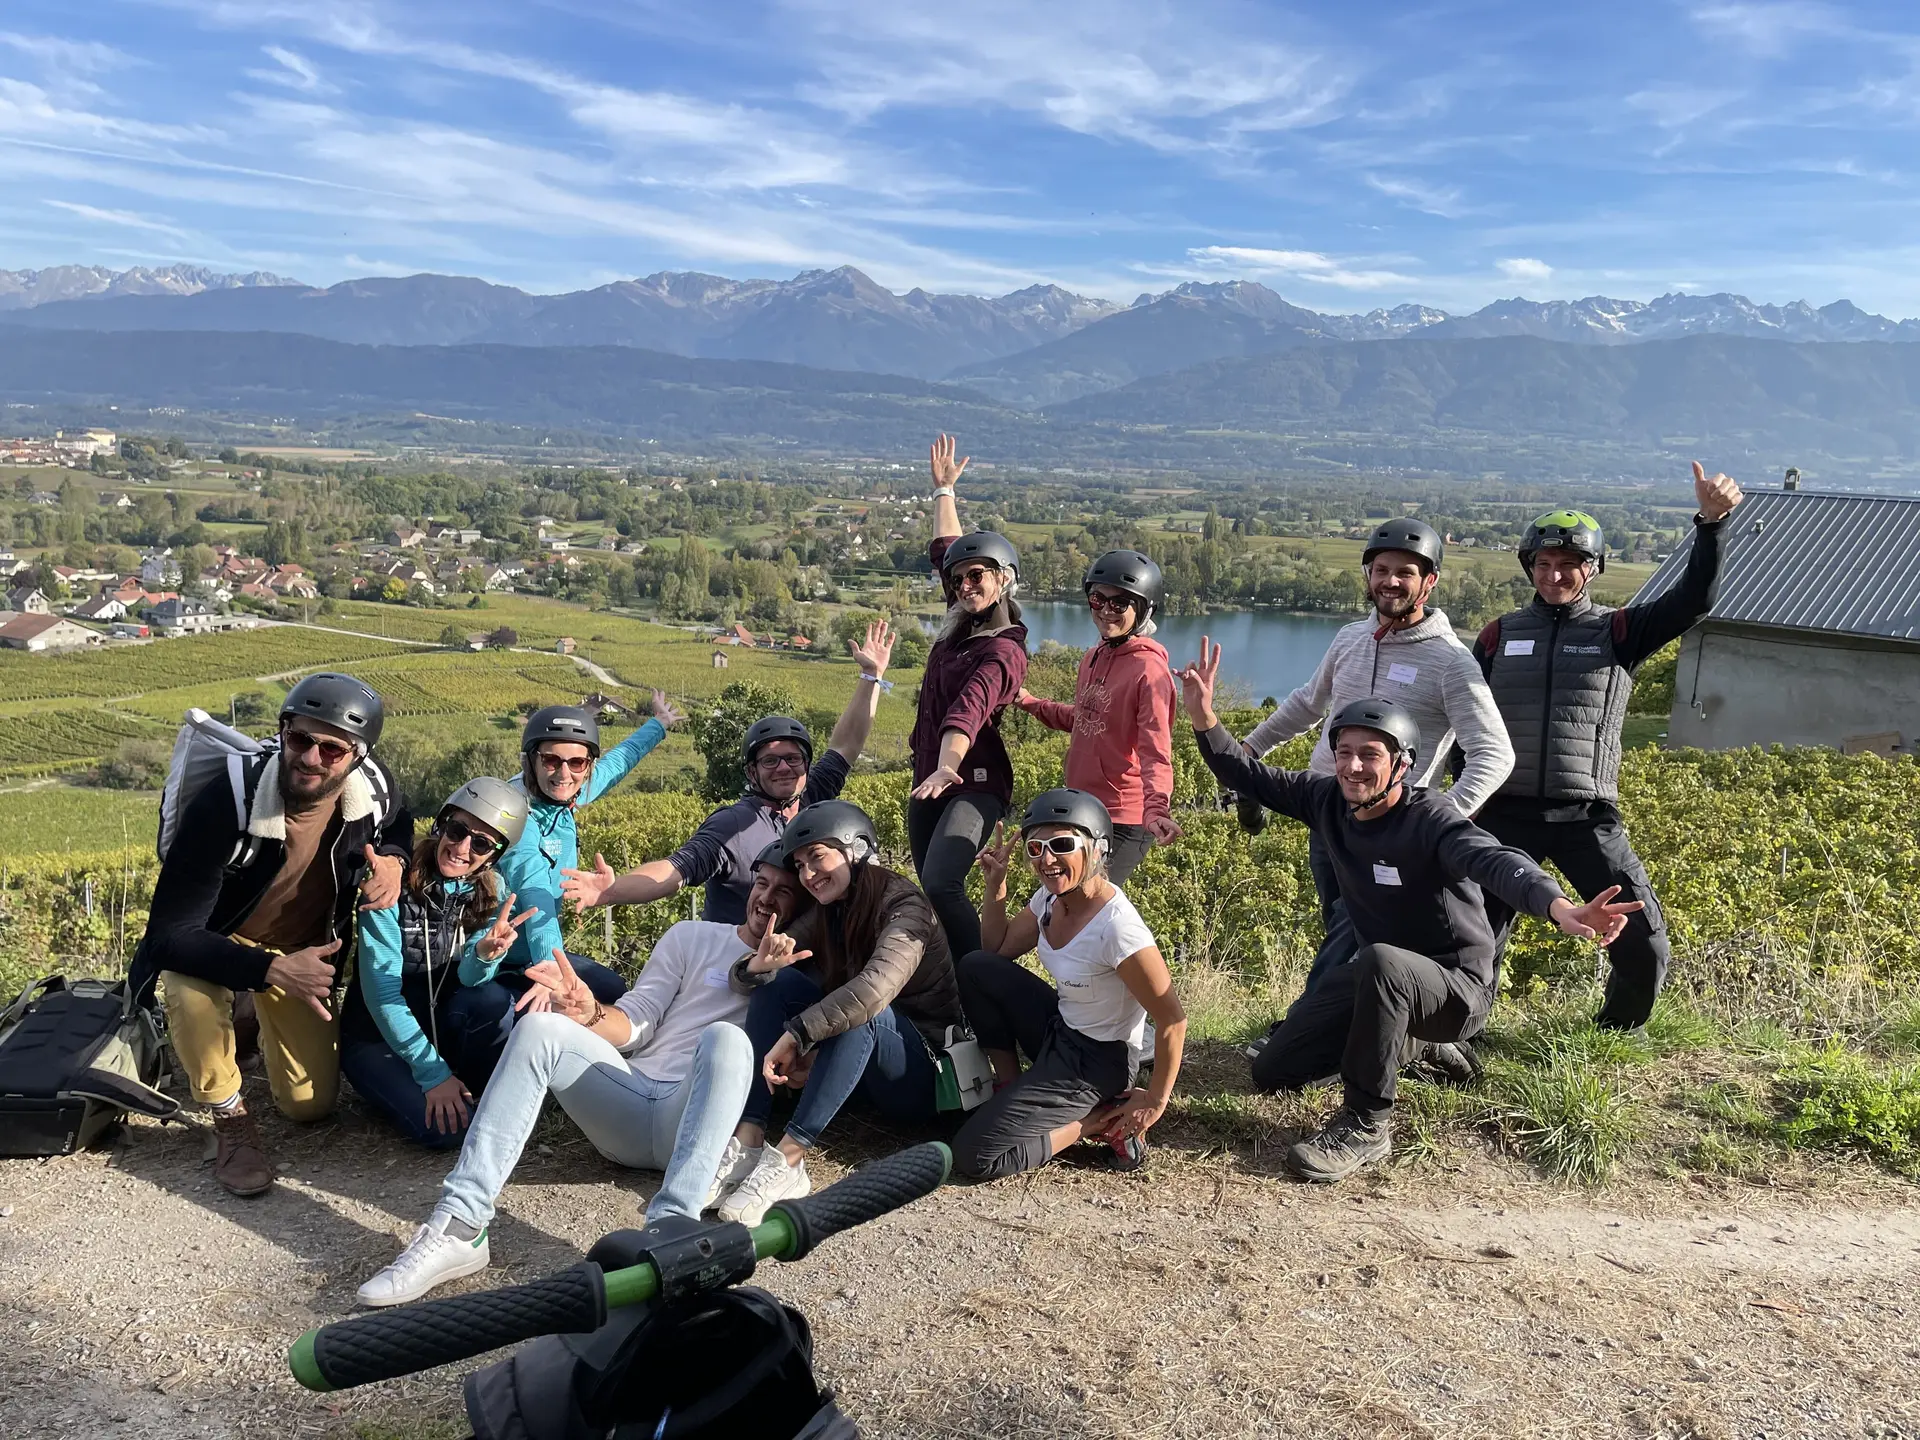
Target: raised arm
{"x": 856, "y": 721}
{"x": 1639, "y": 630}
{"x": 614, "y": 766}
{"x": 1281, "y": 790}
{"x": 946, "y": 474}
{"x": 1008, "y": 937}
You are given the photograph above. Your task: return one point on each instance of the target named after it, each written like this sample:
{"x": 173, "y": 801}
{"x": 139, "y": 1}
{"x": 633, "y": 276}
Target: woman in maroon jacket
{"x": 963, "y": 780}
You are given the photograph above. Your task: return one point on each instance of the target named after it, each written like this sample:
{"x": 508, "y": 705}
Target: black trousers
{"x": 1326, "y": 884}
{"x": 1594, "y": 854}
{"x": 1357, "y": 1020}
{"x": 1011, "y": 1008}
{"x": 1130, "y": 846}
{"x": 945, "y": 834}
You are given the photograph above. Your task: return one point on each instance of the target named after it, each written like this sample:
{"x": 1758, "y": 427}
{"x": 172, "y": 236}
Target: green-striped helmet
{"x": 1573, "y": 530}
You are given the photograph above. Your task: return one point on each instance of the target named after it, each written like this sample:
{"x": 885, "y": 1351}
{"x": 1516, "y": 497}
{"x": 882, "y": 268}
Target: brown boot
{"x": 240, "y": 1163}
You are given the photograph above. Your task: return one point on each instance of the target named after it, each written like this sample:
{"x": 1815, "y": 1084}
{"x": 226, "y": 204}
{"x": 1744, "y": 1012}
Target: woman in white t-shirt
{"x": 1084, "y": 1040}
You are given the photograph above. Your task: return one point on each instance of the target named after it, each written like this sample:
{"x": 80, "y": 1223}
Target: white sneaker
{"x": 736, "y": 1163}
{"x": 431, "y": 1258}
{"x": 772, "y": 1180}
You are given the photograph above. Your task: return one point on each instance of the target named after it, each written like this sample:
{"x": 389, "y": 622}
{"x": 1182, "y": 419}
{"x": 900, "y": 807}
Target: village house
{"x": 27, "y": 600}
{"x": 158, "y": 567}
{"x": 46, "y": 632}
{"x": 101, "y": 609}
{"x": 183, "y": 615}
{"x": 406, "y": 537}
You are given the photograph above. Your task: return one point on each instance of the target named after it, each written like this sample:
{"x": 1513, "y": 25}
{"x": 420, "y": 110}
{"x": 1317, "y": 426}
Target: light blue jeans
{"x": 679, "y": 1126}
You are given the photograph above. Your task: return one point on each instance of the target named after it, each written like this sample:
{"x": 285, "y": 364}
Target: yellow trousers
{"x": 301, "y": 1051}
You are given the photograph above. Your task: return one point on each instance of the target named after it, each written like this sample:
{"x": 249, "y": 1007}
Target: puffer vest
{"x": 430, "y": 925}
{"x": 1563, "y": 695}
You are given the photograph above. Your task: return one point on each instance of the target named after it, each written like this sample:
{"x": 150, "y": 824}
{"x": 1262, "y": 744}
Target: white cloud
{"x": 1770, "y": 28}
{"x": 296, "y": 72}
{"x": 1175, "y": 79}
{"x": 1306, "y": 265}
{"x": 1536, "y": 271}
{"x": 1441, "y": 200}
{"x": 71, "y": 57}
{"x": 118, "y": 217}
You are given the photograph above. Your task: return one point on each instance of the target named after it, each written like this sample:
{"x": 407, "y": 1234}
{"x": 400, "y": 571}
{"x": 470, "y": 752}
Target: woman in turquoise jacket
{"x": 416, "y": 1043}
{"x": 561, "y": 770}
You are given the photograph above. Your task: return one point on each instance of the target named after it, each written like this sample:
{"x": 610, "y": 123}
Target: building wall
{"x": 1748, "y": 685}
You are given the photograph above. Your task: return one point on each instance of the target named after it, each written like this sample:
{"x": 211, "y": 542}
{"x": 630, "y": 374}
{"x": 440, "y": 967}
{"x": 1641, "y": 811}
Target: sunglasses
{"x": 974, "y": 576}
{"x": 1056, "y": 844}
{"x": 782, "y": 762}
{"x": 478, "y": 841}
{"x": 331, "y": 752}
{"x": 1112, "y": 604}
{"x": 575, "y": 764}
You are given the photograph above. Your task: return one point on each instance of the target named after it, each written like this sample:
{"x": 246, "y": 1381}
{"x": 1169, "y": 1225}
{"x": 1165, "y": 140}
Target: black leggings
{"x": 1011, "y": 1008}
{"x": 945, "y": 834}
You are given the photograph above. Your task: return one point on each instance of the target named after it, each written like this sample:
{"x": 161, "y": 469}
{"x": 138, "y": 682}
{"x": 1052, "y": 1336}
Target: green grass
{"x": 1571, "y": 1119}
{"x": 1836, "y": 1097}
{"x": 61, "y": 819}
{"x": 1643, "y": 730}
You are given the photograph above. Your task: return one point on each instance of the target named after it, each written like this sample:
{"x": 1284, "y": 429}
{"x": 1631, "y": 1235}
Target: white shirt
{"x": 682, "y": 990}
{"x": 1093, "y": 998}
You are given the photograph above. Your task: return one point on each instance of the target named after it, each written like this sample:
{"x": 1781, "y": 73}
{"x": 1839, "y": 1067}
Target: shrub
{"x": 134, "y": 765}
{"x": 1839, "y": 1097}
{"x": 721, "y": 724}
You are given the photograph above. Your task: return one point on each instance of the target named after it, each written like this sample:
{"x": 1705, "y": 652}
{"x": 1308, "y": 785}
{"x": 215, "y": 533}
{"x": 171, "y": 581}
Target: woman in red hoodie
{"x": 1122, "y": 711}
{"x": 963, "y": 780}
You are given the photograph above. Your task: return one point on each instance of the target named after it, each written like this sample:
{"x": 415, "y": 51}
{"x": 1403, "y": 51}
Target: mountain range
{"x": 1035, "y": 347}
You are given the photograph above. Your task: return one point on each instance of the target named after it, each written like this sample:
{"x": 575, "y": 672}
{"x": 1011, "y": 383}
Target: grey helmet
{"x": 839, "y": 823}
{"x": 1133, "y": 573}
{"x": 494, "y": 803}
{"x": 571, "y": 724}
{"x": 776, "y": 727}
{"x": 1075, "y": 808}
{"x": 1416, "y": 537}
{"x": 1393, "y": 721}
{"x": 987, "y": 546}
{"x": 772, "y": 853}
{"x": 340, "y": 701}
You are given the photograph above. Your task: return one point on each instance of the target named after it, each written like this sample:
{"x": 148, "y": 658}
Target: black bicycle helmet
{"x": 1075, "y": 808}
{"x": 839, "y": 823}
{"x": 340, "y": 701}
{"x": 776, "y": 727}
{"x": 988, "y": 546}
{"x": 1131, "y": 573}
{"x": 1573, "y": 530}
{"x": 570, "y": 724}
{"x": 1416, "y": 537}
{"x": 1391, "y": 720}
{"x": 772, "y": 853}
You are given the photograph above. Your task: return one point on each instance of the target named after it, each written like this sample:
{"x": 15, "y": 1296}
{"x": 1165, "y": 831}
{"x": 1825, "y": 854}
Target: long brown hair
{"x": 858, "y": 912}
{"x": 424, "y": 869}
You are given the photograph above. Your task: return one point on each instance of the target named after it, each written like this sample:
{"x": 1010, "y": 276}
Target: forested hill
{"x": 1462, "y": 406}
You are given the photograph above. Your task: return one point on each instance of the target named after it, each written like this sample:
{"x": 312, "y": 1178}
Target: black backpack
{"x": 715, "y": 1366}
{"x": 75, "y": 1056}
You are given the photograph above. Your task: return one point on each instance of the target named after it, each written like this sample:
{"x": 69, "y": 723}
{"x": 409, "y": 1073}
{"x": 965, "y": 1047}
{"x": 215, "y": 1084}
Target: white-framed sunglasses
{"x": 1058, "y": 845}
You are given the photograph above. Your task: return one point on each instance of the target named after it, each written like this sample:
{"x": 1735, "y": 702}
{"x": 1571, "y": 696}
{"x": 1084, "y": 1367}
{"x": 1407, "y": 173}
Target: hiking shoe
{"x": 1254, "y": 1049}
{"x": 736, "y": 1164}
{"x": 1125, "y": 1156}
{"x": 1448, "y": 1062}
{"x": 771, "y": 1181}
{"x": 240, "y": 1157}
{"x": 1346, "y": 1143}
{"x": 431, "y": 1258}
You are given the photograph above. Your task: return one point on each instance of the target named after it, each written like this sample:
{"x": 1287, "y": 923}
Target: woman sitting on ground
{"x": 416, "y": 1043}
{"x": 863, "y": 1016}
{"x": 655, "y": 1080}
{"x": 1086, "y": 1040}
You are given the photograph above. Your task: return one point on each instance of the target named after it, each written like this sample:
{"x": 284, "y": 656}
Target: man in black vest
{"x": 1561, "y": 671}
{"x": 1411, "y": 870}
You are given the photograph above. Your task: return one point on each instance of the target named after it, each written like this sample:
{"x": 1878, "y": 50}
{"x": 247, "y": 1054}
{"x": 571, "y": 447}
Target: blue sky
{"x": 1349, "y": 155}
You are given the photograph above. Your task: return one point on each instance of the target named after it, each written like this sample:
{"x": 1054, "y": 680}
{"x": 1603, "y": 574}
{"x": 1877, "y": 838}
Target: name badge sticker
{"x": 1402, "y": 674}
{"x": 1386, "y": 875}
{"x": 1519, "y": 647}
{"x": 717, "y": 977}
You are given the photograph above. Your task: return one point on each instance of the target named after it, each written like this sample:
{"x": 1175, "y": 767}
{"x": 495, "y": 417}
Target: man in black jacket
{"x": 257, "y": 893}
{"x": 1410, "y": 868}
{"x": 1561, "y": 671}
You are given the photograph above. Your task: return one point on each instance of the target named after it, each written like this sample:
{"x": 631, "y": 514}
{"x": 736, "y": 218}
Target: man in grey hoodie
{"x": 1405, "y": 652}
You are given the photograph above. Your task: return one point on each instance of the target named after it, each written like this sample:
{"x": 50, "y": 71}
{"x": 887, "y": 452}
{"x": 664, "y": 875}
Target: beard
{"x": 304, "y": 798}
{"x": 1396, "y": 607}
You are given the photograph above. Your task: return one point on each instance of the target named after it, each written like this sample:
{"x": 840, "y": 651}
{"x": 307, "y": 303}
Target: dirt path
{"x": 1207, "y": 1298}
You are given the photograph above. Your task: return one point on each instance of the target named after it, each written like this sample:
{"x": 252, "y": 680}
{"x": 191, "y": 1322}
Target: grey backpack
{"x": 75, "y": 1056}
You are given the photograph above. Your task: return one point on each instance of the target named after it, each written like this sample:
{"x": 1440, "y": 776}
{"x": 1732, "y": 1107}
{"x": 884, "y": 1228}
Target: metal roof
{"x": 1842, "y": 564}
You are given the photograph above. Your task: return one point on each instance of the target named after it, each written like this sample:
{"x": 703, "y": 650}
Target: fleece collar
{"x": 269, "y": 818}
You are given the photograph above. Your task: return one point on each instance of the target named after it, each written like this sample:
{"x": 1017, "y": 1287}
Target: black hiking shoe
{"x": 1447, "y": 1062}
{"x": 1346, "y": 1143}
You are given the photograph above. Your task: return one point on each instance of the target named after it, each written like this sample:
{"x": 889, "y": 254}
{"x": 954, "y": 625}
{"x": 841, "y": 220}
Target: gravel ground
{"x": 1208, "y": 1297}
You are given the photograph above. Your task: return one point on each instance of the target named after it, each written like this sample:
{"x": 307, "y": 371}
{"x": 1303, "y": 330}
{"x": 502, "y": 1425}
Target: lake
{"x": 1268, "y": 651}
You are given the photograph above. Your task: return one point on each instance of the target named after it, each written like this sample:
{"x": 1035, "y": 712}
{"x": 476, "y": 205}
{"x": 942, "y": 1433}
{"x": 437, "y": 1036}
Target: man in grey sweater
{"x": 1405, "y": 652}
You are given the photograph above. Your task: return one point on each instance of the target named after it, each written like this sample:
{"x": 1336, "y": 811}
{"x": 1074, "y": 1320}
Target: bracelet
{"x": 599, "y": 1013}
{"x": 886, "y": 686}
{"x": 946, "y": 490}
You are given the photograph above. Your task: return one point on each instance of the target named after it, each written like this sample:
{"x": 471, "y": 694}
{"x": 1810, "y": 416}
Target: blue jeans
{"x": 472, "y": 1027}
{"x": 679, "y": 1126}
{"x": 884, "y": 1061}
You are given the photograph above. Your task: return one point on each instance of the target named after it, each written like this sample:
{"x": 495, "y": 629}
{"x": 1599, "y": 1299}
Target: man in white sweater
{"x": 656, "y": 1081}
{"x": 1405, "y": 652}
